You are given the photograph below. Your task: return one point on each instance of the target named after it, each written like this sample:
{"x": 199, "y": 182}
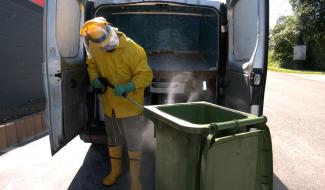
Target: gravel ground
{"x": 32, "y": 106}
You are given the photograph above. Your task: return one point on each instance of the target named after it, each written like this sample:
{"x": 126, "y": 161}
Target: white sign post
{"x": 299, "y": 53}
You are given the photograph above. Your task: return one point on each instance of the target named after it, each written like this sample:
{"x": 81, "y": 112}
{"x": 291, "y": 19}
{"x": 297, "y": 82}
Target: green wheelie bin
{"x": 204, "y": 146}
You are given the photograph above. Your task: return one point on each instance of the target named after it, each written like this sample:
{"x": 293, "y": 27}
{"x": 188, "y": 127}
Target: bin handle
{"x": 215, "y": 128}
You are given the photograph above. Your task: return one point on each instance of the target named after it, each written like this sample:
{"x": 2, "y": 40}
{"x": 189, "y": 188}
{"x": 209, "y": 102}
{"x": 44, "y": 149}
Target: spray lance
{"x": 106, "y": 83}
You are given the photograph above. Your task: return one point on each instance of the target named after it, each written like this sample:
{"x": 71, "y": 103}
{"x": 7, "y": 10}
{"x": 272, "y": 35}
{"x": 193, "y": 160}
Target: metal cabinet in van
{"x": 198, "y": 50}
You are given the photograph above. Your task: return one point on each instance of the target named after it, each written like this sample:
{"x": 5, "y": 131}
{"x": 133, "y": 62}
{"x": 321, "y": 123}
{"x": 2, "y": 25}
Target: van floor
{"x": 96, "y": 166}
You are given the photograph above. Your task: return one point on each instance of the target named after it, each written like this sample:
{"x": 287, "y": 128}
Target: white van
{"x": 198, "y": 50}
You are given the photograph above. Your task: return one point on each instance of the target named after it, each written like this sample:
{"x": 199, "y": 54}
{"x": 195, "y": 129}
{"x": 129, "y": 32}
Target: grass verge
{"x": 278, "y": 69}
{"x": 274, "y": 66}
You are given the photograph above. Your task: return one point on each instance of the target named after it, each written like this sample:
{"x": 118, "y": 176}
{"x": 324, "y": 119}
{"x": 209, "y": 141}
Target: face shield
{"x": 104, "y": 37}
{"x": 113, "y": 40}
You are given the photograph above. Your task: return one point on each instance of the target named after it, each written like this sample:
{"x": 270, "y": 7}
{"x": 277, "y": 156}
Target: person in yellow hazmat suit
{"x": 124, "y": 64}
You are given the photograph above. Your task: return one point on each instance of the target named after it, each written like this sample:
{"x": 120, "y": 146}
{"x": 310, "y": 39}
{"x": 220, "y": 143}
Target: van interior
{"x": 182, "y": 46}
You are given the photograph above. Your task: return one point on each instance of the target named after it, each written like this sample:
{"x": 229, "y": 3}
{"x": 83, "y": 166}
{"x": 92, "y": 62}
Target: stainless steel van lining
{"x": 176, "y": 37}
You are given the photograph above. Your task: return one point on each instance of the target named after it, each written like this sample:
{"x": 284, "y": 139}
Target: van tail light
{"x": 40, "y": 3}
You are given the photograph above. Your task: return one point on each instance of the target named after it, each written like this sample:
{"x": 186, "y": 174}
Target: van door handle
{"x": 59, "y": 75}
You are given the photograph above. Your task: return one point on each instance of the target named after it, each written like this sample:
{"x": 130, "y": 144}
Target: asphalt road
{"x": 294, "y": 105}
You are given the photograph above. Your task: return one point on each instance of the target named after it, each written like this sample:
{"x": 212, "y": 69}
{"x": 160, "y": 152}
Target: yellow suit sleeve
{"x": 141, "y": 70}
{"x": 92, "y": 69}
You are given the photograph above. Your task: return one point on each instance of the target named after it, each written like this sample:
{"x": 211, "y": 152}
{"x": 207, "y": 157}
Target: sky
{"x": 277, "y": 8}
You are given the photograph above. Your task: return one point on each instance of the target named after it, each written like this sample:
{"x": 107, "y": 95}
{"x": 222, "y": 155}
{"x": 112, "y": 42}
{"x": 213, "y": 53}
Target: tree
{"x": 311, "y": 14}
{"x": 307, "y": 21}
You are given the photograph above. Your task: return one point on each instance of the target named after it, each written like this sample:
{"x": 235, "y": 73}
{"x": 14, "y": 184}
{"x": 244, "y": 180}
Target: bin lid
{"x": 200, "y": 117}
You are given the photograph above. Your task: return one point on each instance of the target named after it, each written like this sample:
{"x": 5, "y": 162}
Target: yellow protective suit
{"x": 128, "y": 62}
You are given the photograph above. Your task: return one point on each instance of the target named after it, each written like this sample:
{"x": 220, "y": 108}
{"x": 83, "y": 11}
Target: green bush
{"x": 283, "y": 39}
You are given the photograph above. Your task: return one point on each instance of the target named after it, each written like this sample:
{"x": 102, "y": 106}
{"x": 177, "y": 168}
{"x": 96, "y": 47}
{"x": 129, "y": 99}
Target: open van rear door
{"x": 64, "y": 73}
{"x": 246, "y": 67}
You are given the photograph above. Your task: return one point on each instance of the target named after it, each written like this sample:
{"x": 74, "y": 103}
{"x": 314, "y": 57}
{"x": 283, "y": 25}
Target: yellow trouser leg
{"x": 134, "y": 170}
{"x": 116, "y": 165}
